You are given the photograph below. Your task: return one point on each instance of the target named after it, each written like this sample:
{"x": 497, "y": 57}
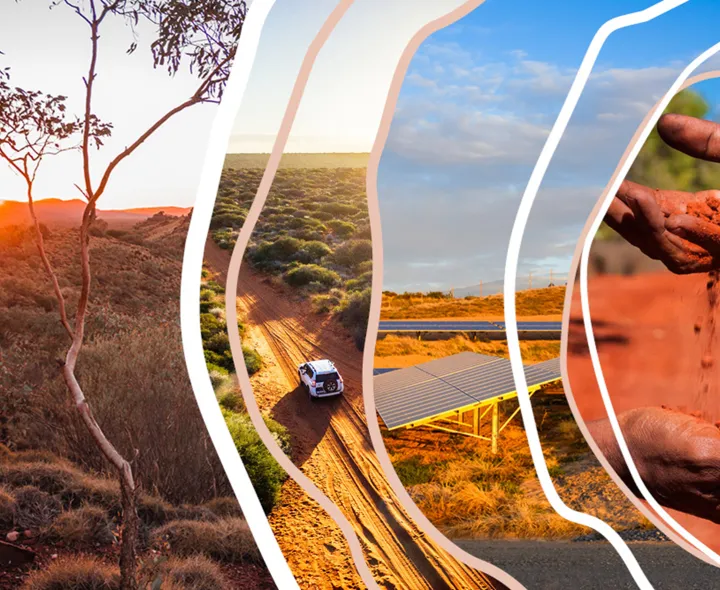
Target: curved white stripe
{"x": 511, "y": 265}
{"x": 586, "y": 307}
{"x": 190, "y": 297}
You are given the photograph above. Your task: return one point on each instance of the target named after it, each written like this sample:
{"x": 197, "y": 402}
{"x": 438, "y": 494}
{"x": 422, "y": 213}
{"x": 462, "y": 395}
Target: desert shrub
{"x": 98, "y": 228}
{"x": 88, "y": 525}
{"x": 223, "y": 220}
{"x": 353, "y": 253}
{"x": 210, "y": 325}
{"x": 264, "y": 472}
{"x": 228, "y": 539}
{"x": 339, "y": 208}
{"x": 224, "y": 506}
{"x": 412, "y": 471}
{"x": 63, "y": 481}
{"x": 153, "y": 510}
{"x": 283, "y": 249}
{"x": 253, "y": 361}
{"x": 52, "y": 478}
{"x": 224, "y": 360}
{"x": 75, "y": 573}
{"x": 303, "y": 222}
{"x": 35, "y": 508}
{"x": 218, "y": 342}
{"x": 325, "y": 303}
{"x": 313, "y": 251}
{"x": 361, "y": 283}
{"x": 225, "y": 238}
{"x": 342, "y": 229}
{"x": 193, "y": 512}
{"x": 218, "y": 375}
{"x": 354, "y": 313}
{"x": 206, "y": 295}
{"x": 191, "y": 573}
{"x": 304, "y": 274}
{"x": 8, "y": 508}
{"x": 231, "y": 399}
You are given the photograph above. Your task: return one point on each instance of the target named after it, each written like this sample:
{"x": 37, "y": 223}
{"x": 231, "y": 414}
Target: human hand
{"x": 676, "y": 454}
{"x": 680, "y": 229}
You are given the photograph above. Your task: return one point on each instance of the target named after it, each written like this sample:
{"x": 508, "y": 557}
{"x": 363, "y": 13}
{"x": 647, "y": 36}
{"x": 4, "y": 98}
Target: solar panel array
{"x": 442, "y": 386}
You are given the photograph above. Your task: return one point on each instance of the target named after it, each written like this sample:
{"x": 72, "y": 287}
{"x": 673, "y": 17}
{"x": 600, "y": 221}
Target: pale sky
{"x": 346, "y": 92}
{"x": 340, "y": 110}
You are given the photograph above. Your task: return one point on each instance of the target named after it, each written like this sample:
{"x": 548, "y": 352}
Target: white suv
{"x": 320, "y": 379}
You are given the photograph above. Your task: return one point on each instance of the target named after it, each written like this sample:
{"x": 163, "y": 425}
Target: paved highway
{"x": 561, "y": 565}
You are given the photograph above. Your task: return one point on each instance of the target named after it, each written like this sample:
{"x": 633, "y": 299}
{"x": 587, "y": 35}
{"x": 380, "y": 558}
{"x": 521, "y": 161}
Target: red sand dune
{"x": 649, "y": 351}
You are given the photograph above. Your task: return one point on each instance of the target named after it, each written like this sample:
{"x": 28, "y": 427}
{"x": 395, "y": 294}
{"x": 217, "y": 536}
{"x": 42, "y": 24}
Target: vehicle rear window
{"x": 328, "y": 377}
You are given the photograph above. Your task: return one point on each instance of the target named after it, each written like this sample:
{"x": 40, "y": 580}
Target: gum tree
{"x": 198, "y": 34}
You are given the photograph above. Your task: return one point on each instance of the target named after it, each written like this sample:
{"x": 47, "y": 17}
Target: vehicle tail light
{"x": 314, "y": 383}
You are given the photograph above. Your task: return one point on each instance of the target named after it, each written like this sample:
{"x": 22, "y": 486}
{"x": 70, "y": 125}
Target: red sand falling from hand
{"x": 707, "y": 400}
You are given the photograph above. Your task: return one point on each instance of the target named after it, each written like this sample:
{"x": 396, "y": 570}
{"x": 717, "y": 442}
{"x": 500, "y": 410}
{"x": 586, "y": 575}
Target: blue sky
{"x": 477, "y": 104}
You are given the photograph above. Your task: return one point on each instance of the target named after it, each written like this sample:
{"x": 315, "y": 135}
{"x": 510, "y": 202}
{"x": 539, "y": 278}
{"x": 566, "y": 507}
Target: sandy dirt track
{"x": 649, "y": 352}
{"x": 331, "y": 444}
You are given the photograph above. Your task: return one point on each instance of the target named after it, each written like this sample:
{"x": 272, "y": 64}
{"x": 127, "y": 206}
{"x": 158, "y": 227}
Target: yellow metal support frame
{"x": 456, "y": 419}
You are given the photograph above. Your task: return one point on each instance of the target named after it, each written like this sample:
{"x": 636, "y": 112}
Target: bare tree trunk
{"x": 128, "y": 537}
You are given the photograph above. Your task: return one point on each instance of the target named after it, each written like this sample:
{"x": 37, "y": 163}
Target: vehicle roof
{"x": 323, "y": 366}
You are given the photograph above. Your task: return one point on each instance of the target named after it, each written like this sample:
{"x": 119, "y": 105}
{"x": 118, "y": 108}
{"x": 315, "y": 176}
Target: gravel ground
{"x": 568, "y": 565}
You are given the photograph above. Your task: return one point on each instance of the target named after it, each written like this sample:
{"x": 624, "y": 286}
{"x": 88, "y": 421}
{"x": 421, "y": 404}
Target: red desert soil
{"x": 332, "y": 446}
{"x": 650, "y": 352}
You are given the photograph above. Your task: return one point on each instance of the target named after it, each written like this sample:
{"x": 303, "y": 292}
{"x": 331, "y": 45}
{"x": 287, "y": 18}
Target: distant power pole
{"x": 530, "y": 280}
{"x": 551, "y": 276}
{"x": 480, "y": 288}
{"x": 452, "y": 292}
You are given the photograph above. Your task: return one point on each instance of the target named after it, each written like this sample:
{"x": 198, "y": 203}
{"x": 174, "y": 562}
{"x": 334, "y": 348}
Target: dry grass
{"x": 8, "y": 509}
{"x": 35, "y": 508}
{"x": 75, "y": 573}
{"x": 401, "y": 351}
{"x": 468, "y": 492}
{"x": 547, "y": 302}
{"x": 228, "y": 539}
{"x": 88, "y": 526}
{"x": 191, "y": 573}
{"x": 139, "y": 396}
{"x": 224, "y": 507}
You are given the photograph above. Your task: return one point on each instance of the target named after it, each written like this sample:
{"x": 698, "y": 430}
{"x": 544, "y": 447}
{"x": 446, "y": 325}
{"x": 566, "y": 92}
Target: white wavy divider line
{"x": 511, "y": 265}
{"x": 190, "y": 297}
{"x": 587, "y": 320}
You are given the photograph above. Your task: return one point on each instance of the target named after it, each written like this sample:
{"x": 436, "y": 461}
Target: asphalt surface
{"x": 566, "y": 565}
{"x": 463, "y": 326}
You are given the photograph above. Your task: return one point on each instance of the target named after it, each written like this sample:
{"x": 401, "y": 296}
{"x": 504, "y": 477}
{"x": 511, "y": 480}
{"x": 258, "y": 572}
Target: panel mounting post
{"x": 494, "y": 435}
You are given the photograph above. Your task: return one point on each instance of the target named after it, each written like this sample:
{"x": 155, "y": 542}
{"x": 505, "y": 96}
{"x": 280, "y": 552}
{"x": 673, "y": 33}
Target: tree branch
{"x": 138, "y": 142}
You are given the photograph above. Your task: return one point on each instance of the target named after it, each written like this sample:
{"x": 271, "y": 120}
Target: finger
{"x": 670, "y": 202}
{"x": 697, "y": 231}
{"x": 645, "y": 208}
{"x": 695, "y": 137}
{"x": 621, "y": 218}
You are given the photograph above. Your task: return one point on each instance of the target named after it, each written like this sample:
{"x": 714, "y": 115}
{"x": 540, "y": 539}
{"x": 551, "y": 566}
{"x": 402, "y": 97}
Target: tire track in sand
{"x": 331, "y": 441}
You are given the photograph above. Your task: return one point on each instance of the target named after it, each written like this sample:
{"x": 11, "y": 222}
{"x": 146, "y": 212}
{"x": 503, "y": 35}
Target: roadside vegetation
{"x": 313, "y": 235}
{"x": 58, "y": 498}
{"x": 265, "y": 474}
{"x": 546, "y": 302}
{"x": 394, "y": 351}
